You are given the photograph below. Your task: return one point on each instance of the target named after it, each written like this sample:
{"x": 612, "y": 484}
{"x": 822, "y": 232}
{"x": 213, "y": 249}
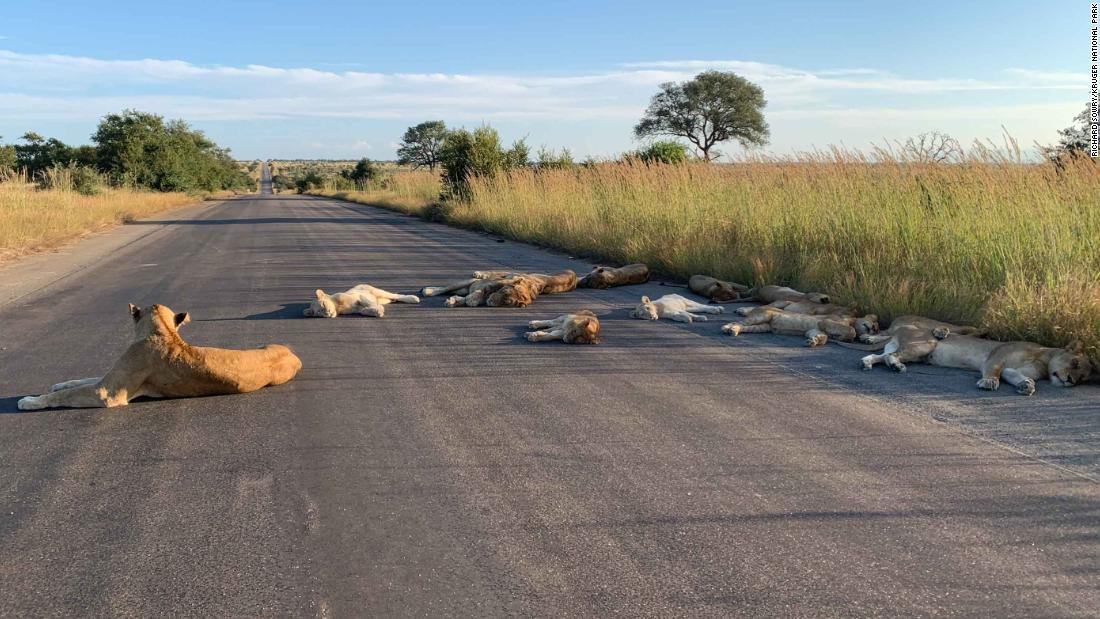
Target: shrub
{"x": 467, "y": 154}
{"x": 663, "y": 151}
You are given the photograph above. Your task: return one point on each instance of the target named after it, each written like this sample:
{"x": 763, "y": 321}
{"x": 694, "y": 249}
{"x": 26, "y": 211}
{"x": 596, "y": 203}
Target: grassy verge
{"x": 1015, "y": 247}
{"x": 35, "y": 219}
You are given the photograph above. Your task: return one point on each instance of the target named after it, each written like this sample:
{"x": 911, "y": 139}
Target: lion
{"x": 816, "y": 328}
{"x": 673, "y": 307}
{"x": 809, "y": 308}
{"x": 717, "y": 290}
{"x": 503, "y": 288}
{"x": 1020, "y": 364}
{"x": 910, "y": 339}
{"x": 362, "y": 299}
{"x": 580, "y": 328}
{"x": 609, "y": 277}
{"x": 779, "y": 296}
{"x": 159, "y": 364}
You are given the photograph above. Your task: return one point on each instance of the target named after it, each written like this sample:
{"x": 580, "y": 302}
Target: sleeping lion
{"x": 779, "y": 296}
{"x": 503, "y": 288}
{"x": 1019, "y": 364}
{"x": 608, "y": 277}
{"x": 159, "y": 364}
{"x": 817, "y": 329}
{"x": 362, "y": 299}
{"x": 580, "y": 328}
{"x": 910, "y": 339}
{"x": 717, "y": 290}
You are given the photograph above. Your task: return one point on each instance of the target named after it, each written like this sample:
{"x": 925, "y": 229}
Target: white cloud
{"x": 803, "y": 103}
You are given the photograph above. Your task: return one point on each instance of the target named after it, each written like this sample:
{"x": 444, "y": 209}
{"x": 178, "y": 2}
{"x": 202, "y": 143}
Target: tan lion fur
{"x": 816, "y": 328}
{"x": 362, "y": 299}
{"x": 717, "y": 290}
{"x": 579, "y": 328}
{"x": 159, "y": 364}
{"x": 910, "y": 339}
{"x": 503, "y": 288}
{"x": 779, "y": 296}
{"x": 610, "y": 277}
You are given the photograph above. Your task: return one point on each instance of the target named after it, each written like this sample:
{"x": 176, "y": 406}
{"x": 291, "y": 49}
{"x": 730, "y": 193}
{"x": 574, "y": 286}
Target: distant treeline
{"x": 131, "y": 149}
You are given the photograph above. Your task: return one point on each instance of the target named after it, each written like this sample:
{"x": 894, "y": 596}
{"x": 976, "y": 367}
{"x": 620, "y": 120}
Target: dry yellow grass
{"x": 408, "y": 191}
{"x": 994, "y": 241}
{"x": 32, "y": 219}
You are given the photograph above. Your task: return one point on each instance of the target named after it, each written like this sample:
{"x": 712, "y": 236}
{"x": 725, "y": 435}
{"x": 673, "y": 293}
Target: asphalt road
{"x": 435, "y": 463}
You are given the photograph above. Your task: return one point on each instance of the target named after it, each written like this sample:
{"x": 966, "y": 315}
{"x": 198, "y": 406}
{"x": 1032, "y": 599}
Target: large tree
{"x": 1075, "y": 138}
{"x": 420, "y": 146}
{"x": 714, "y": 107}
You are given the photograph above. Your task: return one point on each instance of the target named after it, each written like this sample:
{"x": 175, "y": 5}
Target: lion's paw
{"x": 453, "y": 302}
{"x": 733, "y": 329}
{"x": 867, "y": 363}
{"x": 534, "y": 336}
{"x": 1026, "y": 387}
{"x": 989, "y": 384}
{"x": 743, "y": 311}
{"x": 815, "y": 341}
{"x": 31, "y": 403}
{"x": 941, "y": 332}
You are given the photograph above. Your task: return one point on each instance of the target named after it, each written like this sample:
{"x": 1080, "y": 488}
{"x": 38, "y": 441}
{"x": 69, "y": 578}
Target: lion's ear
{"x": 320, "y": 293}
{"x": 182, "y": 318}
{"x": 1076, "y": 347}
{"x": 645, "y": 299}
{"x": 135, "y": 312}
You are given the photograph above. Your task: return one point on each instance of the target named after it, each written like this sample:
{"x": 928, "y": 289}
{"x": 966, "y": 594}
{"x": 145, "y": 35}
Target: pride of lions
{"x": 160, "y": 364}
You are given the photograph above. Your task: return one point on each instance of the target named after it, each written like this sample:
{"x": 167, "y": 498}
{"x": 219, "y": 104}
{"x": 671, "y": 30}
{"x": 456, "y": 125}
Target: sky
{"x": 344, "y": 79}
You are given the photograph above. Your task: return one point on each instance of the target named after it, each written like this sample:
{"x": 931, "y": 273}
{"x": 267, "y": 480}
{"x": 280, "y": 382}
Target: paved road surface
{"x": 435, "y": 463}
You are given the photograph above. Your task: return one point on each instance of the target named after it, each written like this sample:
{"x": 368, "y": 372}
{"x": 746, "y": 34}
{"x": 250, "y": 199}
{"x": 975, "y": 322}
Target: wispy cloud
{"x": 802, "y": 103}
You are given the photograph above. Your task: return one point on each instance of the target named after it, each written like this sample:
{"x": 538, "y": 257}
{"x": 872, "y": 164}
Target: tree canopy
{"x": 713, "y": 107}
{"x": 421, "y": 144}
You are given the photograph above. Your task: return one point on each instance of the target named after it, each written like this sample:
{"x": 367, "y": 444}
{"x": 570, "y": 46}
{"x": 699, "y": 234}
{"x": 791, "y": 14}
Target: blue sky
{"x": 344, "y": 79}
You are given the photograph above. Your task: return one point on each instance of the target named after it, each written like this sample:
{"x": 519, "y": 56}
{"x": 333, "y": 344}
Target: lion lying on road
{"x": 503, "y": 288}
{"x": 780, "y": 296}
{"x": 673, "y": 307}
{"x": 159, "y": 364}
{"x": 608, "y": 277}
{"x": 817, "y": 329}
{"x": 1020, "y": 364}
{"x": 580, "y": 328}
{"x": 808, "y": 308}
{"x": 910, "y": 339}
{"x": 362, "y": 299}
{"x": 718, "y": 290}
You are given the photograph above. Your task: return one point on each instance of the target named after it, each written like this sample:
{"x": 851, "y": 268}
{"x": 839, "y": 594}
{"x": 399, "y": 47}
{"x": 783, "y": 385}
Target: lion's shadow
{"x": 285, "y": 311}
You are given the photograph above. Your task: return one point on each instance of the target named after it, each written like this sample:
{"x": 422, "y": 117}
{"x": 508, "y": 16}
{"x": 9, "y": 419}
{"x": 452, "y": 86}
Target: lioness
{"x": 580, "y": 328}
{"x": 673, "y": 307}
{"x": 1020, "y": 364}
{"x": 608, "y": 277}
{"x": 817, "y": 329}
{"x": 778, "y": 296}
{"x": 718, "y": 290}
{"x": 159, "y": 364}
{"x": 801, "y": 307}
{"x": 910, "y": 339}
{"x": 362, "y": 299}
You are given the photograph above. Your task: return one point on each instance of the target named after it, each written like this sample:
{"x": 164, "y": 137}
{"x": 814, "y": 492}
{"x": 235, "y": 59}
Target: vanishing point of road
{"x": 435, "y": 463}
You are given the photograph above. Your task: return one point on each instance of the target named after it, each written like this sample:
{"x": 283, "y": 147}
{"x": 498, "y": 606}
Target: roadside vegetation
{"x": 137, "y": 164}
{"x": 986, "y": 235}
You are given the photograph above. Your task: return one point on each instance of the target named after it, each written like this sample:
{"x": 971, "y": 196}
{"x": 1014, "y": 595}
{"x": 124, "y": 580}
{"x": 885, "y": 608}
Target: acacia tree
{"x": 420, "y": 146}
{"x": 713, "y": 107}
{"x": 1074, "y": 138}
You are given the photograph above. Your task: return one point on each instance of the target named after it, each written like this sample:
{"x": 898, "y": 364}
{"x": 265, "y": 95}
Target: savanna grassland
{"x": 33, "y": 219}
{"x": 992, "y": 240}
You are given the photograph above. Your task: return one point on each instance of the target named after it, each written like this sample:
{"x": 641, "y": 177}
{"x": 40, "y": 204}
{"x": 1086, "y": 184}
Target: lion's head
{"x": 645, "y": 310}
{"x": 817, "y": 297}
{"x": 868, "y": 325}
{"x": 1069, "y": 366}
{"x": 600, "y": 277}
{"x": 723, "y": 292}
{"x": 321, "y": 307}
{"x": 516, "y": 292}
{"x": 584, "y": 329}
{"x": 156, "y": 320}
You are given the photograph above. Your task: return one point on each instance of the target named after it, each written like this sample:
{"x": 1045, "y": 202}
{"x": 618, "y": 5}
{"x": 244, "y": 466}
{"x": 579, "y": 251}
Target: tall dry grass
{"x": 991, "y": 240}
{"x": 408, "y": 191}
{"x": 33, "y": 219}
